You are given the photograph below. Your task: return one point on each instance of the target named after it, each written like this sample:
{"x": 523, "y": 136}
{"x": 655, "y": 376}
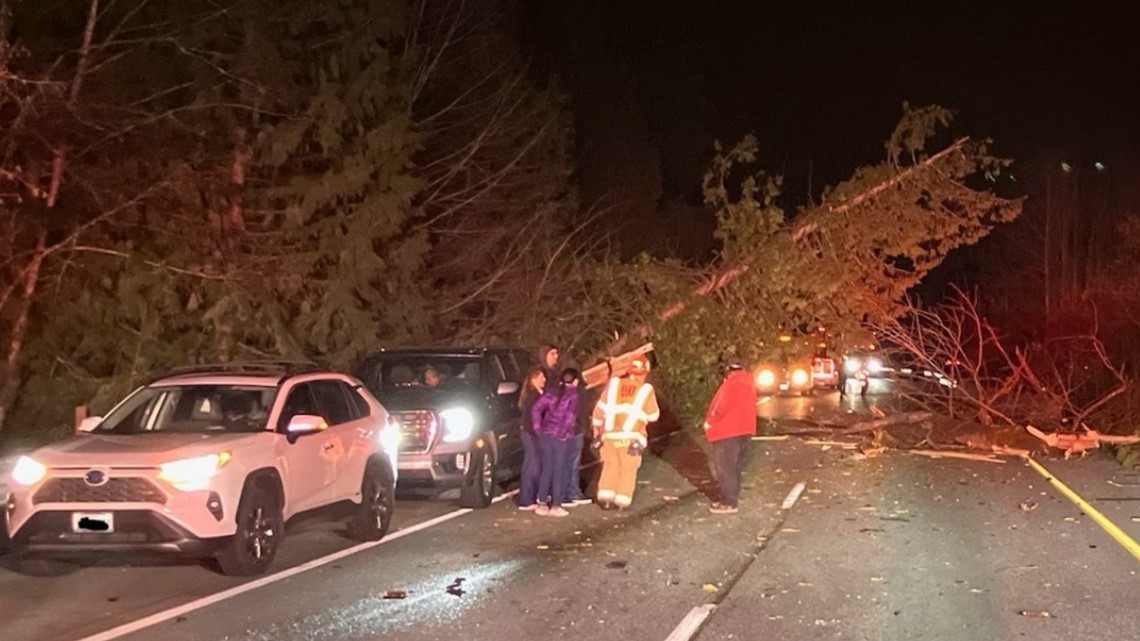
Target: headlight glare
{"x": 458, "y": 424}
{"x": 766, "y": 378}
{"x": 390, "y": 436}
{"x": 28, "y": 471}
{"x": 874, "y": 365}
{"x": 800, "y": 377}
{"x": 193, "y": 473}
{"x": 851, "y": 365}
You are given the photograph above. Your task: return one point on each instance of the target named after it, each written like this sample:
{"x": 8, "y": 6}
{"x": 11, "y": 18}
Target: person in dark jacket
{"x": 532, "y": 458}
{"x": 554, "y": 416}
{"x": 729, "y": 426}
{"x": 550, "y": 360}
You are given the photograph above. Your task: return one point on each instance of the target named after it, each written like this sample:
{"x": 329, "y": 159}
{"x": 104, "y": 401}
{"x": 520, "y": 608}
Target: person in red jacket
{"x": 729, "y": 426}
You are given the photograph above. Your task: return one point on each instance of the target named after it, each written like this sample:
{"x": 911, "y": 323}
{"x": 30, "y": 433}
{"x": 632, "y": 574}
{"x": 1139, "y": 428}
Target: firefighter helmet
{"x": 639, "y": 366}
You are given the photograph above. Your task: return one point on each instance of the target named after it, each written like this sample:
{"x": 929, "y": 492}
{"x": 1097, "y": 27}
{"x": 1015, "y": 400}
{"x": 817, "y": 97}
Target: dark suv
{"x": 457, "y": 409}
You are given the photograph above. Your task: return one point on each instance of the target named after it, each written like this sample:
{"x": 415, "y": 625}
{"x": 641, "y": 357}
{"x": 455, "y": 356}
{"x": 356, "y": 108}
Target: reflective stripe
{"x": 637, "y": 409}
{"x": 626, "y": 436}
{"x": 606, "y": 494}
{"x": 623, "y": 500}
{"x": 611, "y": 400}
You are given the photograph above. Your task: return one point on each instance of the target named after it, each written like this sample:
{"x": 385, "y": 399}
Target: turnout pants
{"x": 619, "y": 474}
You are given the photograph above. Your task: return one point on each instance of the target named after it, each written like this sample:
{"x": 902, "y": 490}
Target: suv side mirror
{"x": 507, "y": 387}
{"x": 304, "y": 424}
{"x": 88, "y": 424}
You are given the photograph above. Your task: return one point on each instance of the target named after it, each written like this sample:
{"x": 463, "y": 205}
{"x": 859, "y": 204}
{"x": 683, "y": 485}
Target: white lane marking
{"x": 691, "y": 623}
{"x": 197, "y": 604}
{"x": 793, "y": 496}
{"x": 763, "y": 400}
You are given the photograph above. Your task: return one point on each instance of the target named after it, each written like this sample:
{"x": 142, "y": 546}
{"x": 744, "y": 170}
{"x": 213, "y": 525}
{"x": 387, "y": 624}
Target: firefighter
{"x": 620, "y": 421}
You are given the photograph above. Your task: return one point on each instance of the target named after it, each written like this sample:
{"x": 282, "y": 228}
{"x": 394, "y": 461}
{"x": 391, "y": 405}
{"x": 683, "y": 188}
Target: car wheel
{"x": 377, "y": 502}
{"x": 260, "y": 527}
{"x": 479, "y": 486}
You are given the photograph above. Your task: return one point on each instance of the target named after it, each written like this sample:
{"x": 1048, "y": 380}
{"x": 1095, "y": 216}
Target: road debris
{"x": 1080, "y": 443}
{"x": 1028, "y": 506}
{"x": 710, "y": 587}
{"x": 617, "y": 564}
{"x": 1039, "y": 614}
{"x": 456, "y": 587}
{"x": 986, "y": 458}
{"x": 395, "y": 594}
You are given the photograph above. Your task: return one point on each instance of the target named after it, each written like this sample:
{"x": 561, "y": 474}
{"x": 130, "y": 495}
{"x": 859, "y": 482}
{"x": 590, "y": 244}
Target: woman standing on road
{"x": 533, "y": 384}
{"x": 554, "y": 415}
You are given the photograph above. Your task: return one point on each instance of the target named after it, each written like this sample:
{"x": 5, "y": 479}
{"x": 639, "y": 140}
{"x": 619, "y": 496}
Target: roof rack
{"x": 263, "y": 368}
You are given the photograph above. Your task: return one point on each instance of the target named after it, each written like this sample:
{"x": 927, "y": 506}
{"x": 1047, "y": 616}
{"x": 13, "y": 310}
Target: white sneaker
{"x": 569, "y": 504}
{"x": 542, "y": 510}
{"x": 529, "y": 508}
{"x": 559, "y": 512}
{"x": 582, "y": 500}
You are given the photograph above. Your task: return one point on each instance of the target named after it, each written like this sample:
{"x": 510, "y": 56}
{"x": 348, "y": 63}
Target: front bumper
{"x": 190, "y": 515}
{"x": 434, "y": 469}
{"x": 49, "y": 533}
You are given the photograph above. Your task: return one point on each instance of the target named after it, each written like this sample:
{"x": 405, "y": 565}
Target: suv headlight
{"x": 458, "y": 424}
{"x": 390, "y": 435}
{"x": 800, "y": 377}
{"x": 28, "y": 471}
{"x": 193, "y": 473}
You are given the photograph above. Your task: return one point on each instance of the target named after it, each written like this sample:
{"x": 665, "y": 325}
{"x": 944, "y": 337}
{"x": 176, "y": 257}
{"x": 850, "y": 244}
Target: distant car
{"x": 824, "y": 372}
{"x": 210, "y": 462}
{"x": 457, "y": 411}
{"x": 773, "y": 379}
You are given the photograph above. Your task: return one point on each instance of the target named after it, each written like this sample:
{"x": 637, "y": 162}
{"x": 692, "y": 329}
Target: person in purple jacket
{"x": 554, "y": 415}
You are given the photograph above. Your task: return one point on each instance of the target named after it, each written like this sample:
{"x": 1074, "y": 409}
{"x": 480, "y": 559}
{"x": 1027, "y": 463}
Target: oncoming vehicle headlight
{"x": 800, "y": 377}
{"x": 390, "y": 435}
{"x": 851, "y": 365}
{"x": 458, "y": 424}
{"x": 193, "y": 473}
{"x": 874, "y": 365}
{"x": 28, "y": 471}
{"x": 766, "y": 378}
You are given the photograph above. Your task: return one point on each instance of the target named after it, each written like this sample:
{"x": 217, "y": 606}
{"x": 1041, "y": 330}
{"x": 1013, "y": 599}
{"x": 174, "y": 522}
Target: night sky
{"x": 822, "y": 85}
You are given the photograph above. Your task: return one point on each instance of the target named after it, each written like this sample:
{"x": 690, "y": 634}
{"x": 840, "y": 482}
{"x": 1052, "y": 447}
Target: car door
{"x": 334, "y": 406}
{"x": 507, "y": 419}
{"x": 306, "y": 462}
{"x": 357, "y": 432}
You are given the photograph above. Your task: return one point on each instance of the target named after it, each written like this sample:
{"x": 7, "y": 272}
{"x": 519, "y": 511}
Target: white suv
{"x": 210, "y": 462}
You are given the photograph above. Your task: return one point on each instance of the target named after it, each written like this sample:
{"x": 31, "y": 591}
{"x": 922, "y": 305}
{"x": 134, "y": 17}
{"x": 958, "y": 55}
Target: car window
{"x": 356, "y": 404}
{"x": 510, "y": 368}
{"x": 524, "y": 359}
{"x": 332, "y": 402}
{"x": 494, "y": 374}
{"x": 300, "y": 401}
{"x": 192, "y": 408}
{"x": 399, "y": 371}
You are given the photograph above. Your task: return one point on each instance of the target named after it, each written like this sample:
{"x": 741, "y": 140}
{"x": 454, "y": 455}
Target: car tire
{"x": 373, "y": 516}
{"x": 479, "y": 486}
{"x": 260, "y": 527}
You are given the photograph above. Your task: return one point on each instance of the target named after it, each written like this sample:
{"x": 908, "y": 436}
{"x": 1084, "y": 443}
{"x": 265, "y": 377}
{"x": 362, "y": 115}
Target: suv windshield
{"x": 424, "y": 371}
{"x": 192, "y": 408}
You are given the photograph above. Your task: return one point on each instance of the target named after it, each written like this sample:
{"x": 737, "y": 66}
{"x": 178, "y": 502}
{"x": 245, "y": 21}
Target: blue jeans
{"x": 555, "y": 461}
{"x": 574, "y": 482}
{"x": 531, "y": 469}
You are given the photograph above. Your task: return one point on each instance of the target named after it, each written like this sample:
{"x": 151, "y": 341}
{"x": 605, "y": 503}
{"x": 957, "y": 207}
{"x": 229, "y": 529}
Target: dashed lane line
{"x": 1125, "y": 541}
{"x": 197, "y": 604}
{"x": 691, "y": 624}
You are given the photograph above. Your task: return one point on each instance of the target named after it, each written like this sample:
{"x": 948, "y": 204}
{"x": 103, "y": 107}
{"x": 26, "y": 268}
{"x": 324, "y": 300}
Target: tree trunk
{"x": 10, "y": 377}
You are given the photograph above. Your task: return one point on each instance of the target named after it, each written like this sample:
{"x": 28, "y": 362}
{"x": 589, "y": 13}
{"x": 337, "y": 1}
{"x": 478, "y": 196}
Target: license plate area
{"x": 93, "y": 522}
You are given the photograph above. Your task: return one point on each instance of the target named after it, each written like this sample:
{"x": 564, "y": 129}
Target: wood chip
{"x": 1040, "y": 614}
{"x": 710, "y": 587}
